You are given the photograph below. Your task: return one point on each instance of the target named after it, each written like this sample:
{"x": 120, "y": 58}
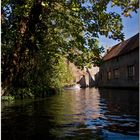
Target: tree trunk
{"x": 25, "y": 30}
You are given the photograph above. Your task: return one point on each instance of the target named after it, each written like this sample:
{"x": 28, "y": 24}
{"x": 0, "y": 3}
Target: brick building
{"x": 121, "y": 65}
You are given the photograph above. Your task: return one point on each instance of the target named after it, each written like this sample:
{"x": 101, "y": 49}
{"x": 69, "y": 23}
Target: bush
{"x": 22, "y": 93}
{"x": 7, "y": 98}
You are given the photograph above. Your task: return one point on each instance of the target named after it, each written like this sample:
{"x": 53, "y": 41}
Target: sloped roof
{"x": 123, "y": 47}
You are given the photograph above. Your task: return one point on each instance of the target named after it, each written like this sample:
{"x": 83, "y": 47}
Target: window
{"x": 116, "y": 73}
{"x": 109, "y": 75}
{"x": 131, "y": 71}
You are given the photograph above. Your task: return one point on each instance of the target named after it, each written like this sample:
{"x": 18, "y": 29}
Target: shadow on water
{"x": 122, "y": 112}
{"x": 85, "y": 114}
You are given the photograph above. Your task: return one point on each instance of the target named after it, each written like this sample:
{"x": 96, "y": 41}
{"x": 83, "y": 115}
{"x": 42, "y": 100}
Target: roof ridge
{"x": 122, "y": 47}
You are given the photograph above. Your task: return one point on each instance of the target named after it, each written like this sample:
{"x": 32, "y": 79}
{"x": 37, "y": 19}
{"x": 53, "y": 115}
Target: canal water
{"x": 85, "y": 114}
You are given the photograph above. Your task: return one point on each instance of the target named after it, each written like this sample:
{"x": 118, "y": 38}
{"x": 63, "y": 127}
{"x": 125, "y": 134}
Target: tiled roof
{"x": 123, "y": 47}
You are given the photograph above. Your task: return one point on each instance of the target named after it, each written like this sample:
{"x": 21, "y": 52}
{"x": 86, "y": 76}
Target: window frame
{"x": 109, "y": 75}
{"x": 116, "y": 75}
{"x": 130, "y": 71}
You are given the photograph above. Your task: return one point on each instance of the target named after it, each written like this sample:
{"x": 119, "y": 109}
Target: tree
{"x": 56, "y": 27}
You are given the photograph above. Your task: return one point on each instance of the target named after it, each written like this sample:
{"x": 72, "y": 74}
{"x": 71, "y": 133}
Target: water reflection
{"x": 122, "y": 111}
{"x": 84, "y": 114}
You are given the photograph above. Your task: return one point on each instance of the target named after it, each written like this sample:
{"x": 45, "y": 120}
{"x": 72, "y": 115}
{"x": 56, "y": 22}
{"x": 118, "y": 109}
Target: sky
{"x": 131, "y": 27}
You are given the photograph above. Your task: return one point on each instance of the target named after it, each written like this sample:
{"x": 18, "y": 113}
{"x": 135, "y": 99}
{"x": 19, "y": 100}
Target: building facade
{"x": 120, "y": 66}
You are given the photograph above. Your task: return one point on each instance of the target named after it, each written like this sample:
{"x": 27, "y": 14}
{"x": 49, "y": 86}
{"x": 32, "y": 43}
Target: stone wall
{"x": 121, "y": 63}
{"x": 78, "y": 74}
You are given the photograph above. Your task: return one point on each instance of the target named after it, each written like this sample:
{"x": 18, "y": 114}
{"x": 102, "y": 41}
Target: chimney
{"x": 108, "y": 49}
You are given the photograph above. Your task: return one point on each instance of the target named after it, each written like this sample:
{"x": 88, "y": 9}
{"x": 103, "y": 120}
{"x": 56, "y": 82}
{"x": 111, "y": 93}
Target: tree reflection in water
{"x": 83, "y": 114}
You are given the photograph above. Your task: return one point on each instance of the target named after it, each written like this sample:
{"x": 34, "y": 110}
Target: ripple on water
{"x": 82, "y": 115}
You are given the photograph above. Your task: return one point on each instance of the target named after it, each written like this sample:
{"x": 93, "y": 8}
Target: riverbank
{"x": 29, "y": 93}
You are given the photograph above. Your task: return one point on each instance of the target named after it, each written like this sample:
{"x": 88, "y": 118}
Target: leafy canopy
{"x": 33, "y": 31}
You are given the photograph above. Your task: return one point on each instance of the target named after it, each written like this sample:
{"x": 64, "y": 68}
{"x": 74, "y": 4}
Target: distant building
{"x": 77, "y": 73}
{"x": 121, "y": 65}
{"x": 85, "y": 77}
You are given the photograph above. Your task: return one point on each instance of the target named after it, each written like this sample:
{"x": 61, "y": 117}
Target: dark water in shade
{"x": 86, "y": 114}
